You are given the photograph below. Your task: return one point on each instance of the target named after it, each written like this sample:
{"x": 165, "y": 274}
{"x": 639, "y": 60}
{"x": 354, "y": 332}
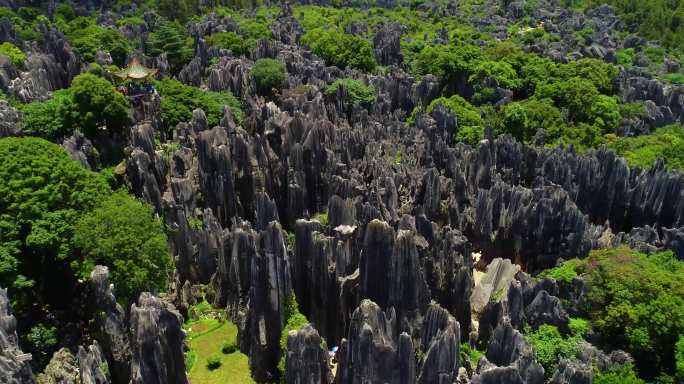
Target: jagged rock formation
{"x": 509, "y": 359}
{"x": 112, "y": 331}
{"x": 262, "y": 322}
{"x": 440, "y": 342}
{"x": 87, "y": 367}
{"x": 14, "y": 364}
{"x": 373, "y": 353}
{"x": 307, "y": 360}
{"x": 157, "y": 340}
{"x": 10, "y": 122}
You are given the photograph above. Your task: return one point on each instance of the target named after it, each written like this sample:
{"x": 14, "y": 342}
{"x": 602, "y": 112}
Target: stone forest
{"x": 341, "y": 191}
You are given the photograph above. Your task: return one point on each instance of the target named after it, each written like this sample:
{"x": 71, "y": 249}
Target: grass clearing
{"x": 206, "y": 337}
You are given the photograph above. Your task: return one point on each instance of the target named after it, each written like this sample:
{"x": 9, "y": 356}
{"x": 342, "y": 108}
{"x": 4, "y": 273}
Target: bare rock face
{"x": 307, "y": 360}
{"x": 94, "y": 369}
{"x": 375, "y": 259}
{"x": 82, "y": 150}
{"x": 373, "y": 353}
{"x": 14, "y": 364}
{"x": 10, "y": 121}
{"x": 386, "y": 44}
{"x": 546, "y": 309}
{"x": 572, "y": 372}
{"x": 509, "y": 359}
{"x": 449, "y": 273}
{"x": 157, "y": 340}
{"x": 263, "y": 320}
{"x": 440, "y": 342}
{"x": 111, "y": 328}
{"x": 500, "y": 273}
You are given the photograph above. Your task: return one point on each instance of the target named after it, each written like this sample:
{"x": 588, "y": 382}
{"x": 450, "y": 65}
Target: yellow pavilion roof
{"x": 135, "y": 71}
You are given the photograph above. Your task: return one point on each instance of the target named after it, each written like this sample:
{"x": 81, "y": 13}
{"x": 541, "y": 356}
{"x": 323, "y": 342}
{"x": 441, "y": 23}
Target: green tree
{"x": 341, "y": 49}
{"x": 16, "y": 55}
{"x": 522, "y": 119}
{"x": 576, "y": 94}
{"x": 450, "y": 64}
{"x": 470, "y": 123}
{"x": 550, "y": 347}
{"x": 679, "y": 359}
{"x": 42, "y": 192}
{"x": 355, "y": 90}
{"x": 123, "y": 234}
{"x": 636, "y": 302}
{"x": 170, "y": 38}
{"x": 605, "y": 113}
{"x": 179, "y": 100}
{"x": 51, "y": 119}
{"x": 666, "y": 143}
{"x": 98, "y": 104}
{"x": 229, "y": 40}
{"x": 269, "y": 74}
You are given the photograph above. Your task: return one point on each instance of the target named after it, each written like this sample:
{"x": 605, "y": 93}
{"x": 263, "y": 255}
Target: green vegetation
{"x": 110, "y": 235}
{"x": 170, "y": 39}
{"x": 206, "y": 335}
{"x": 473, "y": 355}
{"x": 57, "y": 216}
{"x": 294, "y": 320}
{"x": 470, "y": 123}
{"x": 622, "y": 375}
{"x": 179, "y": 100}
{"x": 229, "y": 40}
{"x": 213, "y": 362}
{"x": 321, "y": 217}
{"x": 340, "y": 49}
{"x": 269, "y": 74}
{"x": 666, "y": 143}
{"x": 16, "y": 55}
{"x": 550, "y": 347}
{"x": 637, "y": 303}
{"x": 87, "y": 37}
{"x": 355, "y": 91}
{"x": 88, "y": 105}
{"x": 565, "y": 272}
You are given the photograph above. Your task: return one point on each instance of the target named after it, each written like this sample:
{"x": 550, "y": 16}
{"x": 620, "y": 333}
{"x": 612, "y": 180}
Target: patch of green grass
{"x": 322, "y": 217}
{"x": 565, "y": 272}
{"x": 206, "y": 337}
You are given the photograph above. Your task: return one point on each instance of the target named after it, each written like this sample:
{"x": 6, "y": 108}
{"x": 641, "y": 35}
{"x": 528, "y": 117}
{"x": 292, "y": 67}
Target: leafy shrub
{"x": 522, "y": 119}
{"x": 51, "y": 119}
{"x": 666, "y": 143}
{"x": 294, "y": 321}
{"x": 170, "y": 38}
{"x": 550, "y": 347}
{"x": 679, "y": 359}
{"x": 179, "y": 100}
{"x": 356, "y": 91}
{"x": 269, "y": 74}
{"x": 16, "y": 55}
{"x": 565, "y": 272}
{"x": 470, "y": 123}
{"x": 229, "y": 40}
{"x": 579, "y": 327}
{"x": 41, "y": 341}
{"x": 213, "y": 362}
{"x": 97, "y": 104}
{"x": 322, "y": 217}
{"x": 621, "y": 375}
{"x": 632, "y": 110}
{"x": 448, "y": 63}
{"x": 111, "y": 235}
{"x": 625, "y": 56}
{"x": 576, "y": 94}
{"x": 87, "y": 37}
{"x": 674, "y": 78}
{"x": 605, "y": 113}
{"x": 229, "y": 347}
{"x": 340, "y": 49}
{"x": 636, "y": 302}
{"x": 472, "y": 354}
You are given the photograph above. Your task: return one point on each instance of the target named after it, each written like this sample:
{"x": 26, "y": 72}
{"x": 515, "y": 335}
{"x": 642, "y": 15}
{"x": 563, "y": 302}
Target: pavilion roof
{"x": 135, "y": 71}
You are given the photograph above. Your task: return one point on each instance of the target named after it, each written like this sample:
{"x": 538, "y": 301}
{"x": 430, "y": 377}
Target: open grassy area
{"x": 206, "y": 337}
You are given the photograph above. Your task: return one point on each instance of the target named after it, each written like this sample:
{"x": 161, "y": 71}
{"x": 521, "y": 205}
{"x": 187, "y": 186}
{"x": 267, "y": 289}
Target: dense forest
{"x": 345, "y": 191}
